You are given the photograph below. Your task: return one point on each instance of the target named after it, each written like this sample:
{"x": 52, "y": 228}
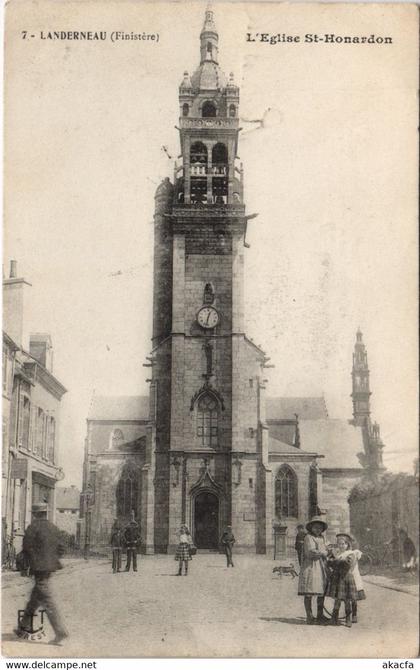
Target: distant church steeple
{"x": 209, "y": 38}
{"x": 360, "y": 375}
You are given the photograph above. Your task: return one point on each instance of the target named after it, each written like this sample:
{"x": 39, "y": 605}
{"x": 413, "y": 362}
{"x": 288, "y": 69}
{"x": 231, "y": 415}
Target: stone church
{"x": 207, "y": 448}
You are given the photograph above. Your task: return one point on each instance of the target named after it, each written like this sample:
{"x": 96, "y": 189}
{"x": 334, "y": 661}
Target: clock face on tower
{"x": 208, "y": 317}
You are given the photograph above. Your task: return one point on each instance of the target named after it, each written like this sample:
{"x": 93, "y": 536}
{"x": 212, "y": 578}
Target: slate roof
{"x": 67, "y": 497}
{"x": 337, "y": 440}
{"x": 284, "y": 432}
{"x": 306, "y": 408}
{"x": 119, "y": 408}
{"x": 278, "y": 447}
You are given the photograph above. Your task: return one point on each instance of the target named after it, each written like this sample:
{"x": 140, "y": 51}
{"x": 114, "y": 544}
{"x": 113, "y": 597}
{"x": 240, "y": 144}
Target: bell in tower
{"x": 209, "y": 130}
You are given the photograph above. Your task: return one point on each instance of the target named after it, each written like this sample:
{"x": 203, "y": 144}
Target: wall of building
{"x": 336, "y": 487}
{"x": 100, "y": 433}
{"x": 67, "y": 520}
{"x": 379, "y": 509}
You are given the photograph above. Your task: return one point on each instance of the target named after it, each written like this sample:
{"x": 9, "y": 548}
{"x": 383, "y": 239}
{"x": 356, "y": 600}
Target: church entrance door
{"x": 206, "y": 521}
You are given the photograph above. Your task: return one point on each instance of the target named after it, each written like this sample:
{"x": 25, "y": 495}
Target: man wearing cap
{"x": 43, "y": 547}
{"x": 132, "y": 540}
{"x": 227, "y": 541}
{"x": 313, "y": 572}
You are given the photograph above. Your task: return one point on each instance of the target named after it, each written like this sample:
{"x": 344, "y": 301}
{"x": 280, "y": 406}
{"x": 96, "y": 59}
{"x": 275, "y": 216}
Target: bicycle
{"x": 9, "y": 558}
{"x": 380, "y": 556}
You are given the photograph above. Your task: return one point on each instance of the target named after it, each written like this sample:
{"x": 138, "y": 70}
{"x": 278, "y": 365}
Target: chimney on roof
{"x": 16, "y": 306}
{"x": 40, "y": 347}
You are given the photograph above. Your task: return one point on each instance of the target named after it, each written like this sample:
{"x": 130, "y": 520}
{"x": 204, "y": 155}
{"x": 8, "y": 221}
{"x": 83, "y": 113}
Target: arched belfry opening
{"x": 219, "y": 159}
{"x": 209, "y": 109}
{"x": 198, "y": 172}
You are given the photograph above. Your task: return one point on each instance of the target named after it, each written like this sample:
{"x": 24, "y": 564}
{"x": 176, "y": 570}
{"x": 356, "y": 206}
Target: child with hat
{"x": 345, "y": 583}
{"x": 313, "y": 571}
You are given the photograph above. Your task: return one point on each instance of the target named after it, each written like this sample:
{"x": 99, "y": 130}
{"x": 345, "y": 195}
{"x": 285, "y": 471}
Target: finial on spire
{"x": 209, "y": 37}
{"x": 209, "y": 24}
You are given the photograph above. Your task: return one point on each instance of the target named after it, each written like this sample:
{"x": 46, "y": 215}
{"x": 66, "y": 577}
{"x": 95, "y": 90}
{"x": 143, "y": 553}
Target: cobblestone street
{"x": 214, "y": 611}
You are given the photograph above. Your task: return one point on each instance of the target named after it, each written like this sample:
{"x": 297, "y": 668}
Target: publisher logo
{"x": 34, "y": 630}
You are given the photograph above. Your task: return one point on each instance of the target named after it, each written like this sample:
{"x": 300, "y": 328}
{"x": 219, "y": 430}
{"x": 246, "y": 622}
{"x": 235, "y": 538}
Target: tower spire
{"x": 209, "y": 38}
{"x": 360, "y": 387}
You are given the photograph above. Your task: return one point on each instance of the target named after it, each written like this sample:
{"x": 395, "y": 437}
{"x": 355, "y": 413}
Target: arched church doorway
{"x": 206, "y": 520}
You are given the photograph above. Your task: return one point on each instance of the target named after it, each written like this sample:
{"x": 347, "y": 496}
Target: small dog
{"x": 286, "y": 570}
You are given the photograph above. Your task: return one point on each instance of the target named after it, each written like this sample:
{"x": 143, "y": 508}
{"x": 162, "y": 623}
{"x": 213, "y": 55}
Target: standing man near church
{"x": 227, "y": 541}
{"x": 300, "y": 538}
{"x": 132, "y": 540}
{"x": 42, "y": 547}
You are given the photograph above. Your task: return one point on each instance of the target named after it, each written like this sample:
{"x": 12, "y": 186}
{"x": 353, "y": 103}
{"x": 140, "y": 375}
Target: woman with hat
{"x": 313, "y": 571}
{"x": 183, "y": 554}
{"x": 345, "y": 583}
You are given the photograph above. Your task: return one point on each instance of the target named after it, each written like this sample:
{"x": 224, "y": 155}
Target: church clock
{"x": 208, "y": 317}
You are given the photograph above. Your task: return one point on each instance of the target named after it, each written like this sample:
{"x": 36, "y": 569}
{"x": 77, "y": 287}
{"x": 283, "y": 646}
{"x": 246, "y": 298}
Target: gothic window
{"x": 127, "y": 492}
{"x": 232, "y": 110}
{"x": 286, "y": 498}
{"x": 117, "y": 438}
{"x": 185, "y": 109}
{"x": 209, "y": 109}
{"x": 207, "y": 420}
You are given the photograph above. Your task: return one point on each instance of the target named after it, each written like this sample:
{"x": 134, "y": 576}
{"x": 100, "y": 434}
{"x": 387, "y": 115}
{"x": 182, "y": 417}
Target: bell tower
{"x": 360, "y": 377}
{"x": 207, "y": 387}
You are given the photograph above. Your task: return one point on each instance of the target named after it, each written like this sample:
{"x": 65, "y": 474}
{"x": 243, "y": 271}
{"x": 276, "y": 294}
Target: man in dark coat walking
{"x": 43, "y": 547}
{"x": 116, "y": 544}
{"x": 132, "y": 540}
{"x": 227, "y": 541}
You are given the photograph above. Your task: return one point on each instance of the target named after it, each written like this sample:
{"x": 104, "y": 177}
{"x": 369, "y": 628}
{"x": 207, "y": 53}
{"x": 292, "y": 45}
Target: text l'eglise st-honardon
{"x": 314, "y": 38}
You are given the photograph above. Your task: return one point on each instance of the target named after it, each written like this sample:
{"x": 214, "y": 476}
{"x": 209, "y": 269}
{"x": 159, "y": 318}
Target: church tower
{"x": 360, "y": 376}
{"x": 209, "y": 437}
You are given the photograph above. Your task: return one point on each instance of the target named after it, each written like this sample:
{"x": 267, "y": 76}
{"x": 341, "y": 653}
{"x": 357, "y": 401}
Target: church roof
{"x": 119, "y": 408}
{"x": 286, "y": 408}
{"x": 337, "y": 440}
{"x": 285, "y": 432}
{"x": 208, "y": 76}
{"x": 276, "y": 446}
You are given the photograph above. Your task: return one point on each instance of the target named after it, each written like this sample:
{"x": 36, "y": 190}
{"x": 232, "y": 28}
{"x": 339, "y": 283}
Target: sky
{"x": 329, "y": 153}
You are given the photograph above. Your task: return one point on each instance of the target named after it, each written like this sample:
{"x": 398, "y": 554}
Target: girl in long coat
{"x": 183, "y": 554}
{"x": 313, "y": 571}
{"x": 345, "y": 583}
